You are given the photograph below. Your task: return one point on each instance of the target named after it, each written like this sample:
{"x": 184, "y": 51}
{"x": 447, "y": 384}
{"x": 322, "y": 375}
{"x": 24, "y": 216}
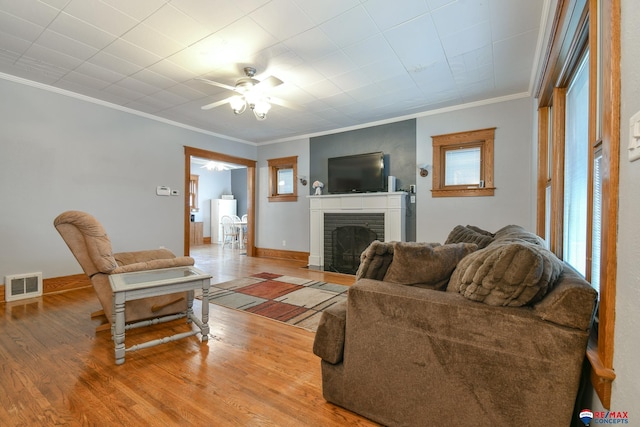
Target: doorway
{"x": 251, "y": 185}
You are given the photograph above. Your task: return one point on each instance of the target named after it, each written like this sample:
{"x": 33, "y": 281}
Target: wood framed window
{"x": 578, "y": 153}
{"x": 283, "y": 173}
{"x": 193, "y": 193}
{"x": 463, "y": 164}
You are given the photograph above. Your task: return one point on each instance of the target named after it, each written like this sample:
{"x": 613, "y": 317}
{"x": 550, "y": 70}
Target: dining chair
{"x": 230, "y": 231}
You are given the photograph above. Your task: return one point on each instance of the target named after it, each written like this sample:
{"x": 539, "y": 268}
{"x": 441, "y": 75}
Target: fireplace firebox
{"x": 347, "y": 243}
{"x": 346, "y": 236}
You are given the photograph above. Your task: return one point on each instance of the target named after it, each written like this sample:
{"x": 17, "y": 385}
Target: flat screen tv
{"x": 360, "y": 173}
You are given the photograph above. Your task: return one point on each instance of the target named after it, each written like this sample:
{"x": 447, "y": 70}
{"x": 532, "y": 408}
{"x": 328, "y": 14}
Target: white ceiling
{"x": 344, "y": 62}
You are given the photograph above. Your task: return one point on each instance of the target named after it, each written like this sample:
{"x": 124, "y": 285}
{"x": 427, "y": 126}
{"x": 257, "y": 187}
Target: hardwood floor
{"x": 56, "y": 370}
{"x": 228, "y": 263}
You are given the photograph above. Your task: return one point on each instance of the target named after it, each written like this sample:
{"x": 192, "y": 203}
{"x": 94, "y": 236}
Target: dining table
{"x": 241, "y": 226}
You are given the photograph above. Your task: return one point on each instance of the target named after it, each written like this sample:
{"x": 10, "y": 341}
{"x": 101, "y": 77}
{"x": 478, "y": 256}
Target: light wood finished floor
{"x": 56, "y": 370}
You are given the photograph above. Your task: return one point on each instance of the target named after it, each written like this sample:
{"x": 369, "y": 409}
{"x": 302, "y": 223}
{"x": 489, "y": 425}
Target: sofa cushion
{"x": 426, "y": 264}
{"x": 510, "y": 273}
{"x": 462, "y": 234}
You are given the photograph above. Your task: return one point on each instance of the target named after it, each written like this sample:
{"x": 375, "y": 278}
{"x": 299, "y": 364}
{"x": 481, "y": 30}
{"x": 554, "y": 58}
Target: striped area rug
{"x": 288, "y": 299}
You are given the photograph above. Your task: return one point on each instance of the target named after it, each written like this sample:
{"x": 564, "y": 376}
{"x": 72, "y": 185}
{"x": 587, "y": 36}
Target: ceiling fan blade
{"x": 283, "y": 103}
{"x": 270, "y": 82}
{"x": 212, "y": 83}
{"x": 216, "y": 104}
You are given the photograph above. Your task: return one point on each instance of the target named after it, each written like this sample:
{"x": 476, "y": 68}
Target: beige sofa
{"x": 491, "y": 331}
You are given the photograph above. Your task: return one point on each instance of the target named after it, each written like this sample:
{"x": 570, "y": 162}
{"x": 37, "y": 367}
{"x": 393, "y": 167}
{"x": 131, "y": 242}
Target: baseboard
{"x": 59, "y": 284}
{"x": 278, "y": 253}
{"x": 65, "y": 283}
{"x": 77, "y": 281}
{"x": 206, "y": 241}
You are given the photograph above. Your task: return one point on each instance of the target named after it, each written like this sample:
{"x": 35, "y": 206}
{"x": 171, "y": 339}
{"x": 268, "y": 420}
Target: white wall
{"x": 59, "y": 153}
{"x": 513, "y": 203}
{"x": 513, "y": 176}
{"x": 211, "y": 185}
{"x": 283, "y": 221}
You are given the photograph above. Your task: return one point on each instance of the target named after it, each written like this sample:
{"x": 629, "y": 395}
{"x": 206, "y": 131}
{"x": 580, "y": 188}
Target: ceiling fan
{"x": 251, "y": 93}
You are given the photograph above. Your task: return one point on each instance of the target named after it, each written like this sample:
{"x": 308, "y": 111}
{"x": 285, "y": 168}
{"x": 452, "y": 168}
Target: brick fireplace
{"x": 359, "y": 217}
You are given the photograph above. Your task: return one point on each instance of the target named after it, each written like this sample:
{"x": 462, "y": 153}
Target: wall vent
{"x": 21, "y": 286}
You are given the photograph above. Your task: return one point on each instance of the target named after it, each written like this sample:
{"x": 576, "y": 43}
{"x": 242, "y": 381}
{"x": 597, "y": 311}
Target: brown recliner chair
{"x": 91, "y": 246}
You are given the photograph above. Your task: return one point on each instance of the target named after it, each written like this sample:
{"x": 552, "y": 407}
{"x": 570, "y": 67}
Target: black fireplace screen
{"x": 348, "y": 242}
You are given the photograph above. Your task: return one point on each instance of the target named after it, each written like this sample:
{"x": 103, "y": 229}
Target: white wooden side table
{"x": 143, "y": 284}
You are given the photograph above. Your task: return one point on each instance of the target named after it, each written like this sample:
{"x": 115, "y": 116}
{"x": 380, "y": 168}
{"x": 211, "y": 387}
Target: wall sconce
{"x": 303, "y": 180}
{"x": 424, "y": 170}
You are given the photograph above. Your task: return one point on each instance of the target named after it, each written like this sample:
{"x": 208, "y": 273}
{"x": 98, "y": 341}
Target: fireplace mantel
{"x": 393, "y": 205}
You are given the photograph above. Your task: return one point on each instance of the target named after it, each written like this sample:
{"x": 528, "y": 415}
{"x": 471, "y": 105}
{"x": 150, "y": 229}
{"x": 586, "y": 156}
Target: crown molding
{"x": 113, "y": 106}
{"x": 408, "y": 117}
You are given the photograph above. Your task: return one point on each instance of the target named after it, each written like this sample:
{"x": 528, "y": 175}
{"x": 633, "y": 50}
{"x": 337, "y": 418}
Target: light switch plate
{"x": 161, "y": 190}
{"x": 634, "y": 137}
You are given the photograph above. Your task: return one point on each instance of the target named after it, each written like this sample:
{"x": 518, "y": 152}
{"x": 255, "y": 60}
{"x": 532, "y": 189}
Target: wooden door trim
{"x": 251, "y": 191}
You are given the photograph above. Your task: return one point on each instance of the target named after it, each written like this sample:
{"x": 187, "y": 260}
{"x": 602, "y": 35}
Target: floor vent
{"x": 21, "y": 286}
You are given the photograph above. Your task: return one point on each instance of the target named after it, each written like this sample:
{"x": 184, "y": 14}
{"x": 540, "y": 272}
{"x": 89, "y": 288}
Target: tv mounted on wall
{"x": 360, "y": 173}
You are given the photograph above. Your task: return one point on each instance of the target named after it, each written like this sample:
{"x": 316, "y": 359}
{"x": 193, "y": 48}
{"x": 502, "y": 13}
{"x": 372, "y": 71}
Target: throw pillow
{"x": 375, "y": 260}
{"x": 516, "y": 233}
{"x": 425, "y": 264}
{"x": 481, "y": 231}
{"x": 506, "y": 274}
{"x": 462, "y": 234}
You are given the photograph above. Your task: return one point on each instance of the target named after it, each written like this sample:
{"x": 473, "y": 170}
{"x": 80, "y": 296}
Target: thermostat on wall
{"x": 161, "y": 190}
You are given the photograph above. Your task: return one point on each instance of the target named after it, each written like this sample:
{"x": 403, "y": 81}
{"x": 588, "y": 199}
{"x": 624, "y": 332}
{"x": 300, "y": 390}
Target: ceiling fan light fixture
{"x": 238, "y": 104}
{"x": 261, "y": 108}
{"x": 215, "y": 166}
{"x": 250, "y": 94}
